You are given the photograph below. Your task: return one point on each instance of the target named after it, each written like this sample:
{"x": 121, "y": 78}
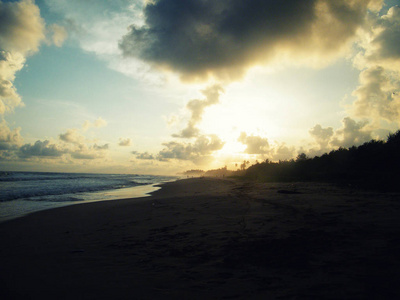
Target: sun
{"x": 231, "y": 147}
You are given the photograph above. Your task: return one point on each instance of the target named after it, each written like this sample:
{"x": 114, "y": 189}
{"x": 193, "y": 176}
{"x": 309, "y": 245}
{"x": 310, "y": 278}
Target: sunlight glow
{"x": 266, "y": 112}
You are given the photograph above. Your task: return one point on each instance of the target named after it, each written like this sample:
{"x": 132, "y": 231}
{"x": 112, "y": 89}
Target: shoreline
{"x": 20, "y": 208}
{"x": 209, "y": 238}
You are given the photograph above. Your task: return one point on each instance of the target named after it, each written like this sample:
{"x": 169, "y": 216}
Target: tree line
{"x": 373, "y": 164}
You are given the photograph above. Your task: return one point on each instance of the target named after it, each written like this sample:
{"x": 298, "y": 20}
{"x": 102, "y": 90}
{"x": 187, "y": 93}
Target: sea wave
{"x": 34, "y": 186}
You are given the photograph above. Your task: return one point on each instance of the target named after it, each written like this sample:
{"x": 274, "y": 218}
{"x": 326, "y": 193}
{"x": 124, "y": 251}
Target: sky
{"x": 164, "y": 86}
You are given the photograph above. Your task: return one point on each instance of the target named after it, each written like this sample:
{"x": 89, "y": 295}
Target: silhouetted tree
{"x": 372, "y": 164}
{"x": 244, "y": 164}
{"x": 301, "y": 157}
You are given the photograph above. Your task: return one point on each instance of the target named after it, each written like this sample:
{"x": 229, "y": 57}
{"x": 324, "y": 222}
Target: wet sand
{"x": 209, "y": 238}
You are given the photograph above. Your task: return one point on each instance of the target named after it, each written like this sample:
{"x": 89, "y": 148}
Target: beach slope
{"x": 207, "y": 238}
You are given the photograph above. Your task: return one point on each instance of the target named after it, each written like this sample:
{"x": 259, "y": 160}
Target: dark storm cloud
{"x": 197, "y": 38}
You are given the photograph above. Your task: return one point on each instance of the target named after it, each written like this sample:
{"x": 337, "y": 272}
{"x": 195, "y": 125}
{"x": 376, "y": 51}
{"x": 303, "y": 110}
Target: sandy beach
{"x": 205, "y": 238}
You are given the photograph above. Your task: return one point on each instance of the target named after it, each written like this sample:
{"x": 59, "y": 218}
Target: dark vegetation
{"x": 374, "y": 164}
{"x": 222, "y": 172}
{"x": 194, "y": 173}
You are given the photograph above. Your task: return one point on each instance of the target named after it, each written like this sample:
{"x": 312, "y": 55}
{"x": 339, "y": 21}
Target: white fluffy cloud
{"x": 144, "y": 156}
{"x": 381, "y": 42}
{"x": 378, "y": 95}
{"x": 99, "y": 122}
{"x": 199, "y": 152}
{"x": 9, "y": 139}
{"x": 21, "y": 27}
{"x": 200, "y": 147}
{"x": 261, "y": 148}
{"x": 89, "y": 152}
{"x": 79, "y": 147}
{"x": 352, "y": 133}
{"x": 21, "y": 32}
{"x": 125, "y": 142}
{"x": 98, "y": 25}
{"x": 197, "y": 107}
{"x": 255, "y": 144}
{"x": 322, "y": 136}
{"x": 58, "y": 34}
{"x": 10, "y": 63}
{"x": 72, "y": 145}
{"x": 72, "y": 136}
{"x": 283, "y": 152}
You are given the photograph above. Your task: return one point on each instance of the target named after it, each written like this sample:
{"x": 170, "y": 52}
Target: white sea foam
{"x": 25, "y": 192}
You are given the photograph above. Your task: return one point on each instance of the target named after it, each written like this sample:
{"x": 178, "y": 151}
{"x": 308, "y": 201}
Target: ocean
{"x": 26, "y": 192}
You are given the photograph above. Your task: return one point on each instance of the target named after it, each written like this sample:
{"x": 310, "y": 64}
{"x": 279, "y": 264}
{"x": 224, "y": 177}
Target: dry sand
{"x": 210, "y": 239}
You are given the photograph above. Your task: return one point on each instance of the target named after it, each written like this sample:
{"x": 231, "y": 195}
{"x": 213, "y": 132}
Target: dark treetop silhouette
{"x": 373, "y": 164}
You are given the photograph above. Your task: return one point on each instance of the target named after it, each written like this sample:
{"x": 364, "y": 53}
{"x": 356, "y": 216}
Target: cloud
{"x": 72, "y": 136}
{"x": 198, "y": 39}
{"x": 125, "y": 142}
{"x": 201, "y": 148}
{"x": 79, "y": 147}
{"x": 322, "y": 135}
{"x": 260, "y": 146}
{"x": 198, "y": 152}
{"x": 96, "y": 124}
{"x": 21, "y": 27}
{"x": 58, "y": 34}
{"x": 197, "y": 107}
{"x": 144, "y": 156}
{"x": 21, "y": 31}
{"x": 40, "y": 149}
{"x": 381, "y": 44}
{"x": 100, "y": 147}
{"x": 282, "y": 152}
{"x": 71, "y": 144}
{"x": 97, "y": 26}
{"x": 377, "y": 96}
{"x": 89, "y": 152}
{"x": 10, "y": 63}
{"x": 81, "y": 155}
{"x": 255, "y": 144}
{"x": 352, "y": 133}
{"x": 387, "y": 40}
{"x": 9, "y": 139}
